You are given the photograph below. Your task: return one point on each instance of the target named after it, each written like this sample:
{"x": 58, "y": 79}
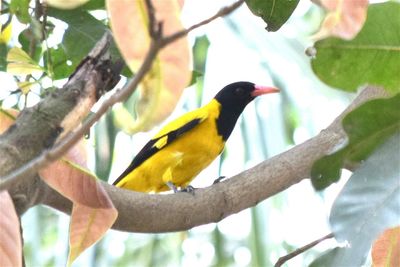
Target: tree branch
{"x": 158, "y": 42}
{"x": 55, "y": 117}
{"x": 139, "y": 212}
{"x": 222, "y": 12}
{"x": 298, "y": 251}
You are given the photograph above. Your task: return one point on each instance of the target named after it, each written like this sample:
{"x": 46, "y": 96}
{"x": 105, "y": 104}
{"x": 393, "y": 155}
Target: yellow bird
{"x": 187, "y": 145}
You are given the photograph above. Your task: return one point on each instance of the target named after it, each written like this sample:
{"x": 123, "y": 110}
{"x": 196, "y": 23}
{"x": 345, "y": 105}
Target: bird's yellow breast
{"x": 184, "y": 158}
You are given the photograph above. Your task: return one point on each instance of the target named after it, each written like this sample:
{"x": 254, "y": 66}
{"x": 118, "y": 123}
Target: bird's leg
{"x": 172, "y": 187}
{"x": 219, "y": 179}
{"x": 188, "y": 189}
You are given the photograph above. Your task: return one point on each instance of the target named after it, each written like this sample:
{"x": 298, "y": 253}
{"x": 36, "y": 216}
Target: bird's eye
{"x": 239, "y": 91}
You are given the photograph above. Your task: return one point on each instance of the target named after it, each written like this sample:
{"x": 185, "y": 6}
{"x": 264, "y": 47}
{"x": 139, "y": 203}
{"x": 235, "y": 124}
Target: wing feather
{"x": 158, "y": 143}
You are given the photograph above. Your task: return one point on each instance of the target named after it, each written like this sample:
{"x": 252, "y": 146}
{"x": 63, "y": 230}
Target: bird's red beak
{"x": 262, "y": 90}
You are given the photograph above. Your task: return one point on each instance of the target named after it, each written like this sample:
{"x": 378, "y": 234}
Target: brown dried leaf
{"x": 10, "y": 237}
{"x": 7, "y": 118}
{"x": 344, "y": 19}
{"x": 88, "y": 225}
{"x": 386, "y": 249}
{"x": 93, "y": 212}
{"x": 170, "y": 73}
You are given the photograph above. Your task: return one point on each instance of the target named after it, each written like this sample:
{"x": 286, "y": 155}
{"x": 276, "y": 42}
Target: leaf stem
{"x": 298, "y": 251}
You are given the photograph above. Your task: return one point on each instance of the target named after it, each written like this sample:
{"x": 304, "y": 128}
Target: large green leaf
{"x": 25, "y": 39}
{"x": 56, "y": 61}
{"x": 368, "y": 204}
{"x": 83, "y": 32}
{"x": 274, "y": 12}
{"x": 21, "y": 9}
{"x": 94, "y": 4}
{"x": 367, "y": 126}
{"x": 372, "y": 57}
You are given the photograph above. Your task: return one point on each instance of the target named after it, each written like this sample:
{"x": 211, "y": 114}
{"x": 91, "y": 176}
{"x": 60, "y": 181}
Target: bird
{"x": 188, "y": 144}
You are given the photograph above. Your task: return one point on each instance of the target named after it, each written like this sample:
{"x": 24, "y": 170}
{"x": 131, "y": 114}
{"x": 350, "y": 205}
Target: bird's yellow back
{"x": 180, "y": 160}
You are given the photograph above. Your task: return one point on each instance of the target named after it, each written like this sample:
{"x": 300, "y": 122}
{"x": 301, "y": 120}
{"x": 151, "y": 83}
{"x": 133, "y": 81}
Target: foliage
{"x": 170, "y": 74}
{"x": 367, "y": 127}
{"x": 274, "y": 13}
{"x": 369, "y": 60}
{"x": 369, "y": 55}
{"x": 386, "y": 249}
{"x": 368, "y": 204}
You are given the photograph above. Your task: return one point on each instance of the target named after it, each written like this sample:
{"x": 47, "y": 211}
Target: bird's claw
{"x": 188, "y": 189}
{"x": 219, "y": 179}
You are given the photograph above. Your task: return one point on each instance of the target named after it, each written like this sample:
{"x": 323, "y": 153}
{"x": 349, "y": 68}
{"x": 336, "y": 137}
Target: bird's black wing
{"x": 152, "y": 146}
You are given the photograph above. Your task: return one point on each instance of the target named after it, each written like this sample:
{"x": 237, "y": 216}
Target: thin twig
{"x": 298, "y": 251}
{"x": 152, "y": 18}
{"x": 222, "y": 12}
{"x": 68, "y": 141}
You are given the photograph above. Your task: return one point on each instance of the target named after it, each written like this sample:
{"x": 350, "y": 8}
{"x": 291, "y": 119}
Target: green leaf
{"x": 105, "y": 133}
{"x": 59, "y": 66}
{"x": 25, "y": 38}
{"x": 195, "y": 75}
{"x": 372, "y": 57}
{"x": 82, "y": 34}
{"x": 274, "y": 12}
{"x": 94, "y": 4}
{"x": 367, "y": 126}
{"x": 368, "y": 204}
{"x": 3, "y": 55}
{"x": 19, "y": 62}
{"x": 21, "y": 9}
{"x": 200, "y": 51}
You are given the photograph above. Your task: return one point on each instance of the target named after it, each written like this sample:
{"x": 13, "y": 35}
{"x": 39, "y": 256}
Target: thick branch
{"x": 39, "y": 127}
{"x": 140, "y": 212}
{"x": 158, "y": 42}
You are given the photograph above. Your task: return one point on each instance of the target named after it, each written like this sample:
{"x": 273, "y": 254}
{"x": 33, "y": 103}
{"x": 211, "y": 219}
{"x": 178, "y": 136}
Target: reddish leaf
{"x": 170, "y": 73}
{"x": 344, "y": 19}
{"x": 10, "y": 237}
{"x": 7, "y": 118}
{"x": 87, "y": 226}
{"x": 386, "y": 249}
{"x": 93, "y": 212}
{"x": 70, "y": 179}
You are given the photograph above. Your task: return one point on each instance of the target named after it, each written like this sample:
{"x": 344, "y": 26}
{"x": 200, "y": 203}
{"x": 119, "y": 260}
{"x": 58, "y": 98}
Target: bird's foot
{"x": 172, "y": 187}
{"x": 188, "y": 189}
{"x": 219, "y": 179}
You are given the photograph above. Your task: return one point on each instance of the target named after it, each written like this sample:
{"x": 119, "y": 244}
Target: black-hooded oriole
{"x": 187, "y": 145}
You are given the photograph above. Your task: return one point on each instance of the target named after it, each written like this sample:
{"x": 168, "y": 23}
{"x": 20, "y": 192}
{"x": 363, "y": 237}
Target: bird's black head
{"x": 236, "y": 94}
{"x": 233, "y": 99}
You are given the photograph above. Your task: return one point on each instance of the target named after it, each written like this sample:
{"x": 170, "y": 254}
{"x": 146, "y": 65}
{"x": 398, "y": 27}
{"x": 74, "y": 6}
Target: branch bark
{"x": 53, "y": 120}
{"x": 158, "y": 42}
{"x": 140, "y": 212}
{"x": 56, "y": 116}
